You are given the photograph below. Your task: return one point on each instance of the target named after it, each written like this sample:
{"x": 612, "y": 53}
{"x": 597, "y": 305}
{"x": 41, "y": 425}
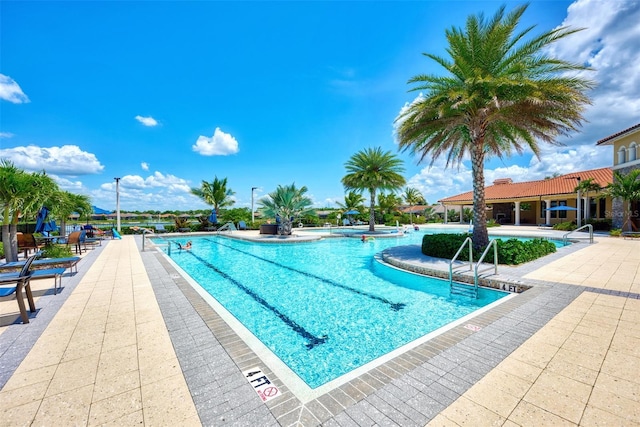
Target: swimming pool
{"x": 323, "y": 308}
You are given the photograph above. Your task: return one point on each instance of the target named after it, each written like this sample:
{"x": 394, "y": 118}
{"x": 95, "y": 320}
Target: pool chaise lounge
{"x": 47, "y": 263}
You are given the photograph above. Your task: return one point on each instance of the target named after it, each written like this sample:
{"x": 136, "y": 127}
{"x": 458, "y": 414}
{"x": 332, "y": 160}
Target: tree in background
{"x": 502, "y": 93}
{"x": 626, "y": 187}
{"x": 285, "y": 204}
{"x": 587, "y": 186}
{"x": 372, "y": 169}
{"x": 63, "y": 204}
{"x": 412, "y": 196}
{"x": 215, "y": 193}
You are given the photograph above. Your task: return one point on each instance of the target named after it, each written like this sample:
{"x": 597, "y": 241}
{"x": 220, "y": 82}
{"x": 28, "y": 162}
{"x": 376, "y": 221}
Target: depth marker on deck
{"x": 261, "y": 384}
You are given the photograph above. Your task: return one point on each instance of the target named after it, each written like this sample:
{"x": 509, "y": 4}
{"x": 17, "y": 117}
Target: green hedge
{"x": 511, "y": 251}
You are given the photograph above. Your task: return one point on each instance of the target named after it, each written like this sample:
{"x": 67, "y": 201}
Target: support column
{"x": 461, "y": 210}
{"x": 517, "y": 213}
{"x": 446, "y": 217}
{"x": 547, "y": 216}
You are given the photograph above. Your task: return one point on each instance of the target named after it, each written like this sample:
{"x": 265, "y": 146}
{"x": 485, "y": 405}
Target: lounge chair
{"x": 27, "y": 242}
{"x": 22, "y": 281}
{"x": 160, "y": 228}
{"x": 242, "y": 225}
{"x": 47, "y": 263}
{"x": 84, "y": 240}
{"x": 73, "y": 239}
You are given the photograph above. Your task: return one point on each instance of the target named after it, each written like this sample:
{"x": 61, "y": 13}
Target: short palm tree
{"x": 372, "y": 169}
{"x": 215, "y": 193}
{"x": 412, "y": 196}
{"x": 502, "y": 93}
{"x": 587, "y": 186}
{"x": 626, "y": 187}
{"x": 286, "y": 203}
{"x": 353, "y": 201}
{"x": 64, "y": 203}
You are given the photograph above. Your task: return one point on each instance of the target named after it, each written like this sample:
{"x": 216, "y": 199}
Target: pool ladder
{"x": 465, "y": 289}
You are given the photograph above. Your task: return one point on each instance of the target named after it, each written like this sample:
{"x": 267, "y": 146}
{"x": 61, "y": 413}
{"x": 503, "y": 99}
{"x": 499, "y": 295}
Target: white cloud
{"x": 69, "y": 185}
{"x": 220, "y": 144}
{"x": 65, "y": 160}
{"x": 6, "y": 135}
{"x": 147, "y": 121}
{"x": 11, "y": 91}
{"x": 157, "y": 191}
{"x": 144, "y": 166}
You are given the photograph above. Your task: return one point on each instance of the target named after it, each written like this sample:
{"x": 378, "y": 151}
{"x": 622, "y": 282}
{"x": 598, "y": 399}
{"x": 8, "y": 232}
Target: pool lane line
{"x": 312, "y": 340}
{"x": 395, "y": 306}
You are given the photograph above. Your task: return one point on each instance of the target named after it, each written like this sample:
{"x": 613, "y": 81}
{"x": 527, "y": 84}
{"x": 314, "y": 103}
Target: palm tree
{"x": 587, "y": 186}
{"x": 215, "y": 193}
{"x": 372, "y": 169}
{"x": 21, "y": 193}
{"x": 353, "y": 200}
{"x": 286, "y": 203}
{"x": 503, "y": 93}
{"x": 626, "y": 187}
{"x": 412, "y": 196}
{"x": 64, "y": 203}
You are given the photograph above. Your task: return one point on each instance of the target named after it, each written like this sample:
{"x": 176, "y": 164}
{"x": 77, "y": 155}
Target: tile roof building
{"x": 520, "y": 203}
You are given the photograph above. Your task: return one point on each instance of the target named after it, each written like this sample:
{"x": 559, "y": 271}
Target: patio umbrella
{"x": 352, "y": 212}
{"x": 40, "y": 219}
{"x": 562, "y": 208}
{"x": 213, "y": 218}
{"x": 98, "y": 211}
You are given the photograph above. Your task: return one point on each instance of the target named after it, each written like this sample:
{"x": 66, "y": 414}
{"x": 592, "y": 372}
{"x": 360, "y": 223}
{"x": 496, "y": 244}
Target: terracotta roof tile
{"x": 564, "y": 184}
{"x": 603, "y": 141}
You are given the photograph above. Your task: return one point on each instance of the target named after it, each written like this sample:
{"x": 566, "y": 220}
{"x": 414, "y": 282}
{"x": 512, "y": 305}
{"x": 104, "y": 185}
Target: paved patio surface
{"x": 130, "y": 341}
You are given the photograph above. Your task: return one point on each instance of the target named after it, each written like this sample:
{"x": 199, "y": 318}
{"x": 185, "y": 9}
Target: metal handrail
{"x": 230, "y": 226}
{"x": 589, "y": 226}
{"x": 493, "y": 243}
{"x": 470, "y": 242}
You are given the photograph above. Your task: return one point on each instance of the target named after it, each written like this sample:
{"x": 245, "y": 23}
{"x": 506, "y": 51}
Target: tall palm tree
{"x": 502, "y": 93}
{"x": 372, "y": 169}
{"x": 626, "y": 187}
{"x": 412, "y": 196}
{"x": 286, "y": 203}
{"x": 215, "y": 193}
{"x": 587, "y": 186}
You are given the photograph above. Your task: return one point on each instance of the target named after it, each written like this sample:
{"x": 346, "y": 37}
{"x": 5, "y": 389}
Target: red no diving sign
{"x": 261, "y": 384}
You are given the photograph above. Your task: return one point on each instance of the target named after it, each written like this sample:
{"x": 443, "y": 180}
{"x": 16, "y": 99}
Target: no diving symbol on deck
{"x": 473, "y": 328}
{"x": 261, "y": 384}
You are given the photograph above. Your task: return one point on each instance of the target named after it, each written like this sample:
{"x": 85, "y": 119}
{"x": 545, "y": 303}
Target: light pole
{"x": 253, "y": 218}
{"x": 117, "y": 204}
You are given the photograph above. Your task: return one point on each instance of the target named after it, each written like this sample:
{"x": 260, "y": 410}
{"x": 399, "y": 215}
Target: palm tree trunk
{"x": 480, "y": 233}
{"x": 372, "y": 213}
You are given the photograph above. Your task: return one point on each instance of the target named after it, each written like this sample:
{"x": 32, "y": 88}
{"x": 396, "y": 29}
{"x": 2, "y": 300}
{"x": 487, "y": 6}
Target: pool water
{"x": 326, "y": 307}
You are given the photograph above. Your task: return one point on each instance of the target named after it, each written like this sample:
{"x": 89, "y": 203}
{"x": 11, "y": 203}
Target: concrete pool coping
{"x": 426, "y": 383}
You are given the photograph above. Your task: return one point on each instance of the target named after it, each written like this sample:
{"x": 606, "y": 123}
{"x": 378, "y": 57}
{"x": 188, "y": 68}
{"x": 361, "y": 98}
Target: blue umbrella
{"x": 213, "y": 218}
{"x": 98, "y": 211}
{"x": 352, "y": 212}
{"x": 562, "y": 208}
{"x": 40, "y": 218}
{"x": 50, "y": 226}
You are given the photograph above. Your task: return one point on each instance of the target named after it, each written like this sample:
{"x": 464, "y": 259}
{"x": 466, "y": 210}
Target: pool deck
{"x": 129, "y": 341}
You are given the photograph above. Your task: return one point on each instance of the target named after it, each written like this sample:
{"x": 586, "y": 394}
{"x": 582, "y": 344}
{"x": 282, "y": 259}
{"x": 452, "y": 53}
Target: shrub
{"x": 565, "y": 226}
{"x": 1, "y": 251}
{"x": 510, "y": 252}
{"x": 492, "y": 223}
{"x": 616, "y": 232}
{"x": 600, "y": 224}
{"x": 56, "y": 251}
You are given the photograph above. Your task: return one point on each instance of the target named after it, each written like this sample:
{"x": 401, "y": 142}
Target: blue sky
{"x": 166, "y": 94}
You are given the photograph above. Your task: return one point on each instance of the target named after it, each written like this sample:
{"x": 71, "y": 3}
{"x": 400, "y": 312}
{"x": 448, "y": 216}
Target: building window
{"x": 622, "y": 155}
{"x": 603, "y": 208}
{"x": 633, "y": 148}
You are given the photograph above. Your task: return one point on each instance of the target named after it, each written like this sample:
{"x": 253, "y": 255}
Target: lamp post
{"x": 117, "y": 204}
{"x": 253, "y": 217}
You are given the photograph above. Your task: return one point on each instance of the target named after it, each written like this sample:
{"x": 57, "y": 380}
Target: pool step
{"x": 463, "y": 289}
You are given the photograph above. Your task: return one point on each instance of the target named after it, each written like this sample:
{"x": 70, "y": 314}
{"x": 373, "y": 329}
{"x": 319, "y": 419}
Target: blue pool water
{"x": 324, "y": 307}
